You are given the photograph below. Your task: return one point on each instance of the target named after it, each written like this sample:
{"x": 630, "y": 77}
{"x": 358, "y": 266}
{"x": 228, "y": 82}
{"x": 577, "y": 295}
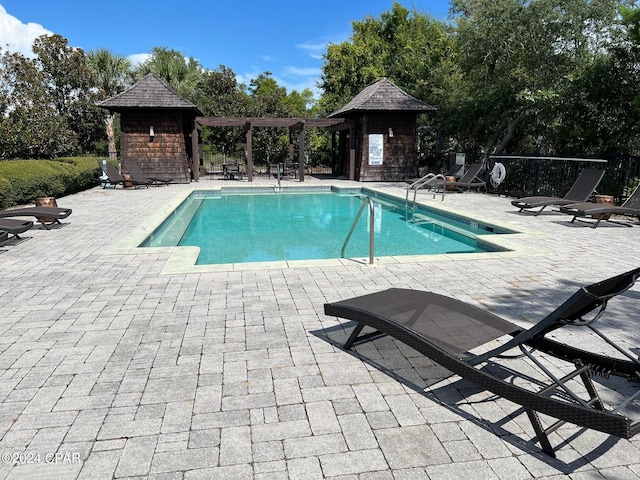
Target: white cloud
{"x": 138, "y": 58}
{"x": 315, "y": 50}
{"x": 17, "y": 36}
{"x": 302, "y": 72}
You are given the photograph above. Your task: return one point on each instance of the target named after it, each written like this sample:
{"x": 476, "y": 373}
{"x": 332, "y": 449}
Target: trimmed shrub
{"x": 22, "y": 181}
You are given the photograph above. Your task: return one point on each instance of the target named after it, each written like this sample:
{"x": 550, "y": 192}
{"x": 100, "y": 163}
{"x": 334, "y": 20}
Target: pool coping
{"x": 182, "y": 260}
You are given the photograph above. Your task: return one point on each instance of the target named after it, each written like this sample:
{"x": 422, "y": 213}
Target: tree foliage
{"x": 30, "y": 124}
{"x": 519, "y": 59}
{"x": 110, "y": 76}
{"x": 184, "y": 75}
{"x": 412, "y": 49}
{"x": 507, "y": 76}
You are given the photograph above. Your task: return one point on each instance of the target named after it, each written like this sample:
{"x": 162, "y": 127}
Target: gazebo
{"x": 156, "y": 128}
{"x": 378, "y": 140}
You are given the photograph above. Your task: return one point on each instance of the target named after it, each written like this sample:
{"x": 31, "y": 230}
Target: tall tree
{"x": 30, "y": 124}
{"x": 223, "y": 96}
{"x": 411, "y": 48}
{"x": 69, "y": 83}
{"x": 516, "y": 58}
{"x": 267, "y": 99}
{"x": 184, "y": 75}
{"x": 110, "y": 73}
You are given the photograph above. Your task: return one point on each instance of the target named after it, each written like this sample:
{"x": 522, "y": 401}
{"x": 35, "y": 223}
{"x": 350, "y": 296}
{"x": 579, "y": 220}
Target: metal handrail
{"x": 429, "y": 180}
{"x": 371, "y": 228}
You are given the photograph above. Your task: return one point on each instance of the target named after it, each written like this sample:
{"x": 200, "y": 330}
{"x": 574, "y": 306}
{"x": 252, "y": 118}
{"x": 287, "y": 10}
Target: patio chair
{"x": 426, "y": 181}
{"x": 15, "y": 227}
{"x": 110, "y": 177}
{"x": 469, "y": 180}
{"x": 450, "y": 332}
{"x": 47, "y": 216}
{"x": 231, "y": 170}
{"x": 291, "y": 169}
{"x": 134, "y": 171}
{"x": 581, "y": 190}
{"x": 113, "y": 178}
{"x": 4, "y": 236}
{"x": 601, "y": 211}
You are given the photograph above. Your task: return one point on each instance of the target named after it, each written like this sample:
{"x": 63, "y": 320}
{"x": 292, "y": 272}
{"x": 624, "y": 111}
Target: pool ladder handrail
{"x": 365, "y": 201}
{"x": 428, "y": 181}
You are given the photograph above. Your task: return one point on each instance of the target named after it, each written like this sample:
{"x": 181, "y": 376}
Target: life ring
{"x": 498, "y": 173}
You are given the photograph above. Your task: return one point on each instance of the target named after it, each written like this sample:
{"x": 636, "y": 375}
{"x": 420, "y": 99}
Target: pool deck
{"x": 118, "y": 364}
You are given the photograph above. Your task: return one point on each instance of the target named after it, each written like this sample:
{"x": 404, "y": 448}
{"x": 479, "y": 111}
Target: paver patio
{"x": 111, "y": 368}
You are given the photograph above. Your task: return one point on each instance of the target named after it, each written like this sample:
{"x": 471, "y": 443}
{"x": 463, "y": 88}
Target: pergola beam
{"x": 248, "y": 123}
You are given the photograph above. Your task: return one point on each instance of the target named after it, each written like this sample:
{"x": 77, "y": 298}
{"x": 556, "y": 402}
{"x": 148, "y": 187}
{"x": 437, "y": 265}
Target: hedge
{"x": 22, "y": 181}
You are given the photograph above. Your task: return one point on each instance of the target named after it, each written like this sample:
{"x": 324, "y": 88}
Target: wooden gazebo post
{"x": 301, "y": 151}
{"x": 248, "y": 152}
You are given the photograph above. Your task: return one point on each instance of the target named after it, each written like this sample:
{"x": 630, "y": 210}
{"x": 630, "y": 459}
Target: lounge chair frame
{"x": 470, "y": 179}
{"x": 584, "y": 186}
{"x": 114, "y": 178}
{"x": 602, "y": 211}
{"x": 134, "y": 170}
{"x": 424, "y": 321}
{"x": 46, "y": 216}
{"x": 15, "y": 227}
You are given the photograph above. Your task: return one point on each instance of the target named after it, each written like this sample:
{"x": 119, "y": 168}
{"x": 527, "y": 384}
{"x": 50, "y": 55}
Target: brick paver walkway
{"x": 111, "y": 368}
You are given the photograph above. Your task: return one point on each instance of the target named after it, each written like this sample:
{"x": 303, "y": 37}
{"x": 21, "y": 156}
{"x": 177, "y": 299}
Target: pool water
{"x": 260, "y": 227}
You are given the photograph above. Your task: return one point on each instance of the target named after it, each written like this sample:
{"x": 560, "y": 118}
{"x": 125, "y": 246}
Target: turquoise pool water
{"x": 237, "y": 227}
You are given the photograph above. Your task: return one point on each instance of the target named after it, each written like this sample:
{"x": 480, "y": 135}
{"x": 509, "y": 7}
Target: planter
{"x": 450, "y": 179}
{"x": 606, "y": 200}
{"x": 127, "y": 181}
{"x": 46, "y": 202}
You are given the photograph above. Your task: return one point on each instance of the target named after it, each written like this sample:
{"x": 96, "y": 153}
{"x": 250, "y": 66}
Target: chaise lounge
{"x": 47, "y": 216}
{"x": 113, "y": 178}
{"x": 457, "y": 336}
{"x": 601, "y": 211}
{"x": 15, "y": 227}
{"x": 135, "y": 172}
{"x": 469, "y": 180}
{"x": 581, "y": 190}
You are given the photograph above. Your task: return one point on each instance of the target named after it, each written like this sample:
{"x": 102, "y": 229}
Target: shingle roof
{"x": 383, "y": 96}
{"x": 149, "y": 92}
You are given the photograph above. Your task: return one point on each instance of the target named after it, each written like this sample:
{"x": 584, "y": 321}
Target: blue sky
{"x": 284, "y": 37}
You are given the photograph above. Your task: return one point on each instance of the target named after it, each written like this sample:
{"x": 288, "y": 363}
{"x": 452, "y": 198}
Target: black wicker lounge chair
{"x": 426, "y": 181}
{"x": 134, "y": 170}
{"x": 47, "y": 216}
{"x": 601, "y": 211}
{"x": 469, "y": 180}
{"x": 15, "y": 227}
{"x": 449, "y": 332}
{"x": 581, "y": 190}
{"x": 113, "y": 179}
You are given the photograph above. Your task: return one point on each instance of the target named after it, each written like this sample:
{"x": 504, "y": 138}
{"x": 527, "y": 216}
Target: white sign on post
{"x": 375, "y": 149}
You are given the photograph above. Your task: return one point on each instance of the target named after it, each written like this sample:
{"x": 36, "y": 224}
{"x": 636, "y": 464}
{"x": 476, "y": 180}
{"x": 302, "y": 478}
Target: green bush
{"x": 22, "y": 181}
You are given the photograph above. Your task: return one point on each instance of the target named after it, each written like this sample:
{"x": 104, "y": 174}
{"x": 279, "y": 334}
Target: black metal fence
{"x": 211, "y": 165}
{"x": 528, "y": 176}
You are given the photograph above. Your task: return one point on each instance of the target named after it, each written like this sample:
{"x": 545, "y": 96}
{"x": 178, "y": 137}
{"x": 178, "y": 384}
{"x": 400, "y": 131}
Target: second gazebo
{"x": 379, "y": 141}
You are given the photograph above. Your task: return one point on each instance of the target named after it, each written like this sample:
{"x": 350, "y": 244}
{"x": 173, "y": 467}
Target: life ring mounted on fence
{"x": 498, "y": 173}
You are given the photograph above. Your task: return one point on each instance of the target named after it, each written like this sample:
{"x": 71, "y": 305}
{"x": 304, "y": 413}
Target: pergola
{"x": 248, "y": 123}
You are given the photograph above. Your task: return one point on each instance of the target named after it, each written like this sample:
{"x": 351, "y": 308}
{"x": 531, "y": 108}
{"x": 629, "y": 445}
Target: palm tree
{"x": 110, "y": 76}
{"x": 184, "y": 75}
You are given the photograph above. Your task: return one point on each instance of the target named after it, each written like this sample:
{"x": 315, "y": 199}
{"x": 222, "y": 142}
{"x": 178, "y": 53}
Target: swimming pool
{"x": 240, "y": 226}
